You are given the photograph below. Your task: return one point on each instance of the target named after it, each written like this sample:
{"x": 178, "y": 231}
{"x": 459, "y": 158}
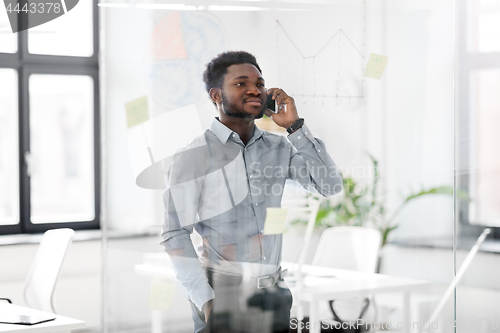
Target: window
{"x": 478, "y": 74}
{"x": 9, "y": 148}
{"x": 49, "y": 124}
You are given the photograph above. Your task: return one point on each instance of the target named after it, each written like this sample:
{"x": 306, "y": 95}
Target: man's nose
{"x": 254, "y": 90}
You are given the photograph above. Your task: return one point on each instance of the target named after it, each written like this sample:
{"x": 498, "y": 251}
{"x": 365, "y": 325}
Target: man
{"x": 221, "y": 185}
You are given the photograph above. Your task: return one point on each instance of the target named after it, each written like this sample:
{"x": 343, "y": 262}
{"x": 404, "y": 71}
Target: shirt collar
{"x": 223, "y": 132}
{"x": 220, "y": 130}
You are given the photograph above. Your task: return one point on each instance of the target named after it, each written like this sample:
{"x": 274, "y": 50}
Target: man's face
{"x": 243, "y": 92}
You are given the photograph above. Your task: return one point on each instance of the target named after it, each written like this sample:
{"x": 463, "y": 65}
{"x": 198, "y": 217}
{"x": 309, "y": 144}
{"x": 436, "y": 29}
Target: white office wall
{"x": 127, "y": 205}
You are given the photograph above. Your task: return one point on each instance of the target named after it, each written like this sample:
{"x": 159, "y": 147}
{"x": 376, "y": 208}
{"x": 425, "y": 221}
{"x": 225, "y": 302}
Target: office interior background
{"x": 430, "y": 121}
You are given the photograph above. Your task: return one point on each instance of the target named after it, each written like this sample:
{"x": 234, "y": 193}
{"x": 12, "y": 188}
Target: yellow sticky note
{"x": 275, "y": 221}
{"x": 137, "y": 111}
{"x": 162, "y": 293}
{"x": 375, "y": 66}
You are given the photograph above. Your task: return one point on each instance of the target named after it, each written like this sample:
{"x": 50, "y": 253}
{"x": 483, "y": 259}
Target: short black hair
{"x": 213, "y": 76}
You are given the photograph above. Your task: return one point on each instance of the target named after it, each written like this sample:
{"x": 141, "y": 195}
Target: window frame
{"x": 468, "y": 62}
{"x": 26, "y": 64}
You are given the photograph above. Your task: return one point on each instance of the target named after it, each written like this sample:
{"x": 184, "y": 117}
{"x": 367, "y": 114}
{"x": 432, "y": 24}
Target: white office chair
{"x": 44, "y": 271}
{"x": 352, "y": 248}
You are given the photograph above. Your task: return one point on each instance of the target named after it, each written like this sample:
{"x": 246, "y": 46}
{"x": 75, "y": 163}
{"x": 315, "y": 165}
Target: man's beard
{"x": 233, "y": 110}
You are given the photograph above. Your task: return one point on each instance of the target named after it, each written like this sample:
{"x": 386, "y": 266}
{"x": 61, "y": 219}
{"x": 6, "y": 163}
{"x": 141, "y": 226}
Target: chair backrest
{"x": 313, "y": 204}
{"x": 354, "y": 248}
{"x": 44, "y": 272}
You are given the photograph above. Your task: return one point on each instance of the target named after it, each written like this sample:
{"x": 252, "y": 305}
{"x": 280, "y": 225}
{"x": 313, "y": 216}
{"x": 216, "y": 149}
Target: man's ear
{"x": 215, "y": 95}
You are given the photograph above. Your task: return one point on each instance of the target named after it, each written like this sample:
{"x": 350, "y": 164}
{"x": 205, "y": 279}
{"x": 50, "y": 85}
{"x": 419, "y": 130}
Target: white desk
{"x": 344, "y": 284}
{"x": 60, "y": 324}
{"x": 335, "y": 284}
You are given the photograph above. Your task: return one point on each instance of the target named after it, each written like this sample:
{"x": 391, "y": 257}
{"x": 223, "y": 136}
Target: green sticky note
{"x": 162, "y": 293}
{"x": 137, "y": 111}
{"x": 375, "y": 66}
{"x": 275, "y": 221}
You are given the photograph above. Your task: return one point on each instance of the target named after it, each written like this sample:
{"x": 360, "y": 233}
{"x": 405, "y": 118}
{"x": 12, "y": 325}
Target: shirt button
{"x": 305, "y": 132}
{"x": 319, "y": 151}
{"x": 251, "y": 176}
{"x": 234, "y": 135}
{"x": 264, "y": 257}
{"x": 256, "y": 204}
{"x": 299, "y": 137}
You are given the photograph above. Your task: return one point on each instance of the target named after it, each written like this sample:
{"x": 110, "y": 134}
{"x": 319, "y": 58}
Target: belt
{"x": 262, "y": 281}
{"x": 271, "y": 279}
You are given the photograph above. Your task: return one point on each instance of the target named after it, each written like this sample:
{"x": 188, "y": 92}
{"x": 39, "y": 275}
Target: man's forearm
{"x": 311, "y": 165}
{"x": 187, "y": 266}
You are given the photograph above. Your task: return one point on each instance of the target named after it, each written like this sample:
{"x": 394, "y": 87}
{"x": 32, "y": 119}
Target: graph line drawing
{"x": 340, "y": 31}
{"x": 309, "y": 63}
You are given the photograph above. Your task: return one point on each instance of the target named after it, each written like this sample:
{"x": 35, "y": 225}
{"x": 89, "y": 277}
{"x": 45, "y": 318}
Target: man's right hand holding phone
{"x": 286, "y": 114}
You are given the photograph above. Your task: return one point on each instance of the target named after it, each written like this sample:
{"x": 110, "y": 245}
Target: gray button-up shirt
{"x": 221, "y": 187}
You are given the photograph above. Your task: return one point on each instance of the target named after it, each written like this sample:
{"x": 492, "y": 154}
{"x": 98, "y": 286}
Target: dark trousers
{"x": 239, "y": 306}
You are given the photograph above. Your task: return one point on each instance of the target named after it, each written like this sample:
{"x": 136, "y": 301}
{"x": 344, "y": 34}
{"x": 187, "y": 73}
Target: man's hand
{"x": 283, "y": 119}
{"x": 207, "y": 308}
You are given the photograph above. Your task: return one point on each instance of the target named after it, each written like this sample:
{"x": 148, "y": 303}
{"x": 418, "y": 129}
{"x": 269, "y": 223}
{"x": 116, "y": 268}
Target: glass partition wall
{"x": 477, "y": 164}
{"x": 402, "y": 95}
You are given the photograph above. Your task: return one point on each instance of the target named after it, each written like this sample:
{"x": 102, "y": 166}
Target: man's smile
{"x": 253, "y": 101}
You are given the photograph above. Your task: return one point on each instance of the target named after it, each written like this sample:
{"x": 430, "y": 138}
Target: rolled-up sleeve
{"x": 311, "y": 165}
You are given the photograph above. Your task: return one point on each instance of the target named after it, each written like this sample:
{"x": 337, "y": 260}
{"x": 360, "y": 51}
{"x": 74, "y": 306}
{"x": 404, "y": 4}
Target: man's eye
{"x": 261, "y": 85}
{"x": 240, "y": 84}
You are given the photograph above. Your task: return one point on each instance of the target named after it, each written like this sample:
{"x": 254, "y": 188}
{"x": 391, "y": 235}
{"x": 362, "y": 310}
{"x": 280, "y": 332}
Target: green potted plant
{"x": 364, "y": 206}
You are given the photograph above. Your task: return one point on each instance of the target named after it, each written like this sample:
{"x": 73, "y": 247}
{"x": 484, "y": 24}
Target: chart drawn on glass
{"x": 333, "y": 72}
{"x": 180, "y": 46}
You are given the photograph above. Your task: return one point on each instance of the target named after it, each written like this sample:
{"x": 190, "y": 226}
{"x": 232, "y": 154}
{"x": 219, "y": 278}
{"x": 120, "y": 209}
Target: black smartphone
{"x": 271, "y": 103}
